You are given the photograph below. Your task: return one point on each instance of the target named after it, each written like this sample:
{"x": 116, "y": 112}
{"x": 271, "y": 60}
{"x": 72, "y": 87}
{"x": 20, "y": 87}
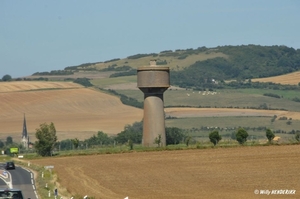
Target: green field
{"x": 230, "y": 123}
{"x": 240, "y": 98}
{"x": 103, "y": 82}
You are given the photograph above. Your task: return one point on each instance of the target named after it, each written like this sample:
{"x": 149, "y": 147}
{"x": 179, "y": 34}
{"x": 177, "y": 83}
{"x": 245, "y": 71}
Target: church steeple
{"x": 24, "y": 133}
{"x": 25, "y": 137}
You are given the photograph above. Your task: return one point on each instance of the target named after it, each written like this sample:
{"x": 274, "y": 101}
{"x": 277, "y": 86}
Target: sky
{"x": 45, "y": 35}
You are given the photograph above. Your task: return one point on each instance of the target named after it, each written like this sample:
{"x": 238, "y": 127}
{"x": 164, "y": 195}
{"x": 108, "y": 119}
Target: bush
{"x": 241, "y": 135}
{"x": 6, "y": 78}
{"x": 83, "y": 81}
{"x": 270, "y": 135}
{"x": 272, "y": 95}
{"x": 214, "y": 137}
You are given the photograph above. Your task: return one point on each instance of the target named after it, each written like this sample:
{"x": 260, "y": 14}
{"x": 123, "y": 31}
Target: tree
{"x": 46, "y": 139}
{"x": 241, "y": 135}
{"x": 214, "y": 137}
{"x": 187, "y": 140}
{"x": 132, "y": 132}
{"x": 75, "y": 143}
{"x": 297, "y": 137}
{"x": 158, "y": 140}
{"x": 174, "y": 135}
{"x": 9, "y": 140}
{"x": 6, "y": 78}
{"x": 270, "y": 135}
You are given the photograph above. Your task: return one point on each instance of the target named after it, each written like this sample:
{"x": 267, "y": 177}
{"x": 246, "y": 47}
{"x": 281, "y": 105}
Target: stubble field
{"x": 76, "y": 112}
{"x": 200, "y": 173}
{"x": 291, "y": 79}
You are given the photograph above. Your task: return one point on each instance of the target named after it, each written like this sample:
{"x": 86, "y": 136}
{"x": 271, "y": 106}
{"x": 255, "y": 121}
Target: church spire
{"x": 24, "y": 133}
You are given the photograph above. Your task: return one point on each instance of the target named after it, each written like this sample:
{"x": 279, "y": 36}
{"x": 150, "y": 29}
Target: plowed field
{"x": 232, "y": 173}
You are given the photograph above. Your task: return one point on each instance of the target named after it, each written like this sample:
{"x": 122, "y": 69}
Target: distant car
{"x": 9, "y": 165}
{"x": 11, "y": 193}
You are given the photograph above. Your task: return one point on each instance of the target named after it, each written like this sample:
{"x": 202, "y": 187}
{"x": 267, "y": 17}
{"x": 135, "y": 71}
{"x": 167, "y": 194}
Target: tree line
{"x": 132, "y": 134}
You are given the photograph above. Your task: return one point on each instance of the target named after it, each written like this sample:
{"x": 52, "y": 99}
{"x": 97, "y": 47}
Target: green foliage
{"x": 174, "y": 135}
{"x": 132, "y": 132}
{"x": 115, "y": 68}
{"x": 83, "y": 81}
{"x": 9, "y": 140}
{"x": 127, "y": 100}
{"x": 161, "y": 62}
{"x": 130, "y": 144}
{"x": 297, "y": 136}
{"x": 157, "y": 140}
{"x": 270, "y": 135}
{"x": 188, "y": 140}
{"x": 243, "y": 62}
{"x": 46, "y": 139}
{"x": 126, "y": 73}
{"x": 272, "y": 95}
{"x": 6, "y": 78}
{"x": 111, "y": 60}
{"x": 101, "y": 139}
{"x": 241, "y": 135}
{"x": 137, "y": 56}
{"x": 75, "y": 143}
{"x": 54, "y": 72}
{"x": 214, "y": 137}
{"x": 296, "y": 99}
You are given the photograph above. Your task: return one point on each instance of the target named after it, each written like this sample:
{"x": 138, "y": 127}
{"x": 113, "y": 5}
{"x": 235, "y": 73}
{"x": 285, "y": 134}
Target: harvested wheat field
{"x": 291, "y": 78}
{"x": 77, "y": 112}
{"x": 231, "y": 112}
{"x": 32, "y": 85}
{"x": 200, "y": 173}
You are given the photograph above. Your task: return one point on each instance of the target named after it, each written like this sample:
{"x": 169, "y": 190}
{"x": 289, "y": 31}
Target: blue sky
{"x": 45, "y": 35}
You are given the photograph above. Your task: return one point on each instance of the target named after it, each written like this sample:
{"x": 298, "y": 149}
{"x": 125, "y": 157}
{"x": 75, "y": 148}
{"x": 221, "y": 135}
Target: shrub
{"x": 241, "y": 135}
{"x": 214, "y": 137}
{"x": 270, "y": 135}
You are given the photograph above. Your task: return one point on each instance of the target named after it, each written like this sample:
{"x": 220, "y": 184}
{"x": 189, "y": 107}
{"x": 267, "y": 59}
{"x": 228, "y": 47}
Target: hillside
{"x": 201, "y": 68}
{"x": 75, "y": 111}
{"x": 287, "y": 79}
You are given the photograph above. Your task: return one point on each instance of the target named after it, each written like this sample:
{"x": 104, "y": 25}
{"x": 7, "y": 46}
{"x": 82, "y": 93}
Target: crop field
{"x": 291, "y": 79}
{"x": 199, "y": 173}
{"x": 79, "y": 112}
{"x": 224, "y": 98}
{"x": 76, "y": 112}
{"x": 31, "y": 86}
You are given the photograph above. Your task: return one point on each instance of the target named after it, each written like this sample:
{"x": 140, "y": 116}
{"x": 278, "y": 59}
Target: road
{"x": 21, "y": 179}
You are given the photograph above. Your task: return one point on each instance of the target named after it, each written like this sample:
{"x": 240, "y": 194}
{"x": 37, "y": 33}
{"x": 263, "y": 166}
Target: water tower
{"x": 153, "y": 80}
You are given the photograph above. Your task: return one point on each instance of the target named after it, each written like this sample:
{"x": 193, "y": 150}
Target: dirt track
{"x": 207, "y": 173}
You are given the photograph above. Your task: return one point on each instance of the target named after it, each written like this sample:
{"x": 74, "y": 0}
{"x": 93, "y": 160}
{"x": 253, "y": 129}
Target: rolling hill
{"x": 77, "y": 112}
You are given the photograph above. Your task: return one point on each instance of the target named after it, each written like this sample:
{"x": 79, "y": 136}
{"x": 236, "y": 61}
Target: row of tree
{"x": 132, "y": 134}
{"x": 241, "y": 136}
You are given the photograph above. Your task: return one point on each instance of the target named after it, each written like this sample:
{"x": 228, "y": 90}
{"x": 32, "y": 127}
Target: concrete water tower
{"x": 153, "y": 80}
